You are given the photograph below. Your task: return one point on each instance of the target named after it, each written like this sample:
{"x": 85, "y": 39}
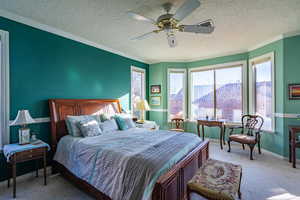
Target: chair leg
{"x": 251, "y": 151}
{"x": 229, "y": 147}
{"x": 239, "y": 192}
{"x": 243, "y": 146}
{"x": 188, "y": 194}
{"x": 258, "y": 144}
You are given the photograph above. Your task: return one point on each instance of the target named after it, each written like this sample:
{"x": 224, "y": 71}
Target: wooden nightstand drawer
{"x": 30, "y": 154}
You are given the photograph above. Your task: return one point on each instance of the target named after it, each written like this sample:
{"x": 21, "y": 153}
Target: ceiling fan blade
{"x": 140, "y": 17}
{"x": 205, "y": 27}
{"x": 144, "y": 35}
{"x": 187, "y": 8}
{"x": 172, "y": 40}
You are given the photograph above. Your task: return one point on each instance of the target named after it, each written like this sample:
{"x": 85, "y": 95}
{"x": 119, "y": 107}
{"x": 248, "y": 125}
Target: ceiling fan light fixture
{"x": 171, "y": 39}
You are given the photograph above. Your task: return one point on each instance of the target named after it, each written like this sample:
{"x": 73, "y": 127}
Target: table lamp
{"x": 23, "y": 118}
{"x": 142, "y": 105}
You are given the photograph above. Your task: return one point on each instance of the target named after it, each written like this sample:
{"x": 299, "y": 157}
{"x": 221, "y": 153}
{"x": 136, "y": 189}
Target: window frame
{"x": 184, "y": 71}
{"x": 242, "y": 63}
{"x": 4, "y": 89}
{"x": 252, "y": 62}
{"x": 137, "y": 69}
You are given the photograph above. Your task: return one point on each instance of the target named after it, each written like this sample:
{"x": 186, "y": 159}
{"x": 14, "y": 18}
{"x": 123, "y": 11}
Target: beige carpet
{"x": 266, "y": 177}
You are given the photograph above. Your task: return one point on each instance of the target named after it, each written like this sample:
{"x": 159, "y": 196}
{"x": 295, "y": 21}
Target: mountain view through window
{"x": 176, "y": 94}
{"x": 217, "y": 93}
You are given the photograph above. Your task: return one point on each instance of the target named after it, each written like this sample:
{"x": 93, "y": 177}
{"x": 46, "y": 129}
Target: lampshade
{"x": 23, "y": 117}
{"x": 142, "y": 105}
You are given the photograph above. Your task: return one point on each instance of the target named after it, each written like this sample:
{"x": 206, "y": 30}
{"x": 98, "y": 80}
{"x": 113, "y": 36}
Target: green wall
{"x": 274, "y": 141}
{"x": 286, "y": 71}
{"x": 291, "y": 75}
{"x": 44, "y": 66}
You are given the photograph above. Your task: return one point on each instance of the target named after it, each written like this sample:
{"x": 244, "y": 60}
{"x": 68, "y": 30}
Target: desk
{"x": 212, "y": 123}
{"x": 293, "y": 143}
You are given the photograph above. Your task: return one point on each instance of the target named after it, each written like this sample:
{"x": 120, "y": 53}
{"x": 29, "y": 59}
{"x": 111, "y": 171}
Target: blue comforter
{"x": 125, "y": 165}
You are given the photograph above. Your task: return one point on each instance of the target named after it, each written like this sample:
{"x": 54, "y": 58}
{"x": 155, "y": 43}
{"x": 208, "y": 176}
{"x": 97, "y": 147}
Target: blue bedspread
{"x": 125, "y": 165}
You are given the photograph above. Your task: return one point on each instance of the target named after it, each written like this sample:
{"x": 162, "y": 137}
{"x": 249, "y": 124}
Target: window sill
{"x": 268, "y": 131}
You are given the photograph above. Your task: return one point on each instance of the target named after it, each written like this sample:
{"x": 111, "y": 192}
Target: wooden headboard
{"x": 60, "y": 108}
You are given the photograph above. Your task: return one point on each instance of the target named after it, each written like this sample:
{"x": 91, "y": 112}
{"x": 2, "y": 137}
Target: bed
{"x": 170, "y": 185}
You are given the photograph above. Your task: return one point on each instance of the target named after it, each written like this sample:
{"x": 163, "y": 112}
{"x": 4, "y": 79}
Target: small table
{"x": 293, "y": 143}
{"x": 212, "y": 123}
{"x": 16, "y": 153}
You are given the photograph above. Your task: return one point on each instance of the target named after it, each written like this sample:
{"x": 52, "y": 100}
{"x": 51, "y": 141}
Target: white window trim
{"x": 242, "y": 63}
{"x": 137, "y": 69}
{"x": 184, "y": 90}
{"x": 4, "y": 89}
{"x": 270, "y": 55}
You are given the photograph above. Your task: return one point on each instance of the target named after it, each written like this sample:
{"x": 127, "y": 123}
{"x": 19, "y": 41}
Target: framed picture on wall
{"x": 294, "y": 91}
{"x": 155, "y": 100}
{"x": 155, "y": 89}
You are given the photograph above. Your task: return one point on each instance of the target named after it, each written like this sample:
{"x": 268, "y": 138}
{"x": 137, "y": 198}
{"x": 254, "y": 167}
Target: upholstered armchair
{"x": 249, "y": 133}
{"x": 177, "y": 124}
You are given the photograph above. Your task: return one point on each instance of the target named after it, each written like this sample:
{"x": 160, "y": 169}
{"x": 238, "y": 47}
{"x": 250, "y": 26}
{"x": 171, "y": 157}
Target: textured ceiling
{"x": 240, "y": 24}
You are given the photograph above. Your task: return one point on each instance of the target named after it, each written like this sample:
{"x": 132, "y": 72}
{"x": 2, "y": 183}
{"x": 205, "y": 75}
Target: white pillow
{"x": 72, "y": 123}
{"x": 109, "y": 126}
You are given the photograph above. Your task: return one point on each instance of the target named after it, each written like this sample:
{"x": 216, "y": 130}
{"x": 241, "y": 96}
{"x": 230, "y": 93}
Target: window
{"x": 4, "y": 89}
{"x": 176, "y": 93}
{"x": 138, "y": 88}
{"x": 262, "y": 99}
{"x": 218, "y": 92}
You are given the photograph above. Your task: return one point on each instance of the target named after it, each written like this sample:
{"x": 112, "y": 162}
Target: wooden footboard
{"x": 170, "y": 186}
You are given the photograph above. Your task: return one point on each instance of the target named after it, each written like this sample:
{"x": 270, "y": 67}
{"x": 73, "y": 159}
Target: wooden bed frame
{"x": 170, "y": 186}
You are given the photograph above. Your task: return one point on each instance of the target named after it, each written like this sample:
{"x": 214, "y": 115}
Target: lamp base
{"x": 141, "y": 121}
{"x": 24, "y": 136}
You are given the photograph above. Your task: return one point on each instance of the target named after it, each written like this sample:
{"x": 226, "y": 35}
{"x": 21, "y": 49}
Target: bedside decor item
{"x": 142, "y": 105}
{"x": 150, "y": 125}
{"x": 294, "y": 91}
{"x": 155, "y": 100}
{"x": 33, "y": 138}
{"x": 23, "y": 118}
{"x": 155, "y": 89}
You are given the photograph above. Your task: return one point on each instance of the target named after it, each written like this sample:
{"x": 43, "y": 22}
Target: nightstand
{"x": 151, "y": 125}
{"x": 16, "y": 153}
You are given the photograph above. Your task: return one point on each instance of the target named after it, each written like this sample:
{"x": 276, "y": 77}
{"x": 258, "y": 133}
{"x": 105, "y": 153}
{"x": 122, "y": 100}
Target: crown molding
{"x": 266, "y": 42}
{"x": 228, "y": 53}
{"x": 291, "y": 34}
{"x": 274, "y": 39}
{"x": 50, "y": 29}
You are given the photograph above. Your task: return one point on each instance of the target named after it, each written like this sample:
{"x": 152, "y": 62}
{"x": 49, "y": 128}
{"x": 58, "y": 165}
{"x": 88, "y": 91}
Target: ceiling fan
{"x": 169, "y": 23}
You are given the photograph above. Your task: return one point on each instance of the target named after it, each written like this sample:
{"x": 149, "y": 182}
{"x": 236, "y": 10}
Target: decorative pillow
{"x": 130, "y": 123}
{"x": 71, "y": 122}
{"x": 103, "y": 117}
{"x": 89, "y": 127}
{"x": 121, "y": 123}
{"x": 109, "y": 125}
{"x": 128, "y": 118}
